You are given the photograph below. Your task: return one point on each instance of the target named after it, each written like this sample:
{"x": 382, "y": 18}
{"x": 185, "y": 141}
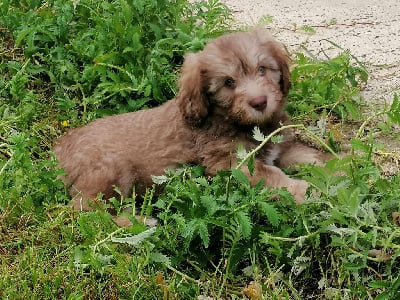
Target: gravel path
{"x": 370, "y": 29}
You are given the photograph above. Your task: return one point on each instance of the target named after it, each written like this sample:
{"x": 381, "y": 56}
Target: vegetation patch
{"x": 64, "y": 63}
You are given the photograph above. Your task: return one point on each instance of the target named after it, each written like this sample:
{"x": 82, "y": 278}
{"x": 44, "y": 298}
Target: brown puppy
{"x": 238, "y": 81}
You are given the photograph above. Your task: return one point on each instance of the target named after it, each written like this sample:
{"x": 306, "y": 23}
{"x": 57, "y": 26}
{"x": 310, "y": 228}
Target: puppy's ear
{"x": 191, "y": 98}
{"x": 281, "y": 56}
{"x": 284, "y": 62}
{"x": 278, "y": 52}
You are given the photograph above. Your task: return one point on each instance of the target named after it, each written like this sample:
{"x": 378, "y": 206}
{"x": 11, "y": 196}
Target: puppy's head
{"x": 241, "y": 76}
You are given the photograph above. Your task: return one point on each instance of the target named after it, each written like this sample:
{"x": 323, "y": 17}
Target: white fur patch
{"x": 274, "y": 153}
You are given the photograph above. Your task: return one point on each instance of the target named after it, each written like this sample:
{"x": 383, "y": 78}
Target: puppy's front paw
{"x": 298, "y": 189}
{"x": 123, "y": 221}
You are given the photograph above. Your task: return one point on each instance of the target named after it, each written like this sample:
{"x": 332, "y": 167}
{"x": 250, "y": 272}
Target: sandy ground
{"x": 370, "y": 29}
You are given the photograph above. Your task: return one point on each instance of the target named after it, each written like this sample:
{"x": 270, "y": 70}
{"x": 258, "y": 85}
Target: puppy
{"x": 237, "y": 82}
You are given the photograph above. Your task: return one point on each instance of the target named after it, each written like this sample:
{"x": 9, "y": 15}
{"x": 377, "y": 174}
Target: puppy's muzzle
{"x": 259, "y": 103}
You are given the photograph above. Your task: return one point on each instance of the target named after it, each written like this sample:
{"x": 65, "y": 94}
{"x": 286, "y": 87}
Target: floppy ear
{"x": 279, "y": 52}
{"x": 284, "y": 63}
{"x": 191, "y": 98}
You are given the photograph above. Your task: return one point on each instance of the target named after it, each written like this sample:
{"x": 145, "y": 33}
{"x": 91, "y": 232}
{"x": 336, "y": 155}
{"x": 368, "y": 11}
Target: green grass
{"x": 63, "y": 64}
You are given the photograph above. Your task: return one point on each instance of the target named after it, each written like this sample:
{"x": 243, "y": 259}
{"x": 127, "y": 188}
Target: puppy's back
{"x": 123, "y": 150}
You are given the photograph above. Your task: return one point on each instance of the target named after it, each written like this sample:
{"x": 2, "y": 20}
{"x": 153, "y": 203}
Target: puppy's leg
{"x": 275, "y": 177}
{"x": 123, "y": 221}
{"x": 83, "y": 202}
{"x": 297, "y": 153}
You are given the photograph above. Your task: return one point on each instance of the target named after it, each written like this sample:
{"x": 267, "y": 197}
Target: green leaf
{"x": 202, "y": 181}
{"x": 240, "y": 176}
{"x": 353, "y": 109}
{"x": 359, "y": 145}
{"x": 265, "y": 20}
{"x": 135, "y": 240}
{"x": 244, "y": 223}
{"x": 23, "y": 33}
{"x": 277, "y": 138}
{"x": 270, "y": 212}
{"x": 350, "y": 198}
{"x": 380, "y": 284}
{"x": 251, "y": 164}
{"x": 188, "y": 231}
{"x": 308, "y": 29}
{"x": 340, "y": 231}
{"x": 396, "y": 285}
{"x": 394, "y": 111}
{"x": 384, "y": 296}
{"x": 196, "y": 227}
{"x": 203, "y": 233}
{"x": 160, "y": 258}
{"x": 209, "y": 203}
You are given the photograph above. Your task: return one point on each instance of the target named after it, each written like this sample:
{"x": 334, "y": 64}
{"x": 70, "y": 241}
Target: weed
{"x": 104, "y": 57}
{"x": 328, "y": 86}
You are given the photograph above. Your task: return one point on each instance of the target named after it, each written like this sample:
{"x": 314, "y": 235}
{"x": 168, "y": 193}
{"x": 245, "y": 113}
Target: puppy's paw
{"x": 298, "y": 189}
{"x": 123, "y": 221}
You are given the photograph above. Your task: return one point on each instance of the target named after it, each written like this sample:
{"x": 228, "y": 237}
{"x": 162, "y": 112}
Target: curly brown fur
{"x": 238, "y": 81}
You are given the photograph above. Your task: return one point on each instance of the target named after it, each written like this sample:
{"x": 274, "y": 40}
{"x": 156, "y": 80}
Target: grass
{"x": 63, "y": 64}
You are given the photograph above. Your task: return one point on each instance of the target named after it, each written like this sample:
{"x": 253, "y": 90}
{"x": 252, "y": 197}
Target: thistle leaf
{"x": 240, "y": 176}
{"x": 135, "y": 240}
{"x": 196, "y": 227}
{"x": 251, "y": 164}
{"x": 270, "y": 212}
{"x": 258, "y": 135}
{"x": 160, "y": 258}
{"x": 210, "y": 204}
{"x": 277, "y": 139}
{"x": 203, "y": 233}
{"x": 244, "y": 223}
{"x": 241, "y": 152}
{"x": 188, "y": 232}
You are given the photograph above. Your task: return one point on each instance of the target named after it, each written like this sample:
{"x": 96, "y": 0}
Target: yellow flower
{"x": 64, "y": 123}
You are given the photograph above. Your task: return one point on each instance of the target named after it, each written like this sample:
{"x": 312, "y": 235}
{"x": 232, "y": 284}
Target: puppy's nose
{"x": 259, "y": 103}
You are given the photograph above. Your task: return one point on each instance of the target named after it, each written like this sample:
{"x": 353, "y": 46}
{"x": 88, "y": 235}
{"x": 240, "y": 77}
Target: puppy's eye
{"x": 230, "y": 83}
{"x": 262, "y": 70}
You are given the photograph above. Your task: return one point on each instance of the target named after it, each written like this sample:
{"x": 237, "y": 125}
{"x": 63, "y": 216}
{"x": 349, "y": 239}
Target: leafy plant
{"x": 223, "y": 226}
{"x": 64, "y": 63}
{"x": 106, "y": 56}
{"x": 330, "y": 86}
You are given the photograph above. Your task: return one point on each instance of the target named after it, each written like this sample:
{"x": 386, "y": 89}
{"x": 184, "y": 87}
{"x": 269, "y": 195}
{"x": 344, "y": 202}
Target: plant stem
{"x": 108, "y": 237}
{"x": 284, "y": 239}
{"x": 181, "y": 274}
{"x": 365, "y": 123}
{"x": 275, "y": 132}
